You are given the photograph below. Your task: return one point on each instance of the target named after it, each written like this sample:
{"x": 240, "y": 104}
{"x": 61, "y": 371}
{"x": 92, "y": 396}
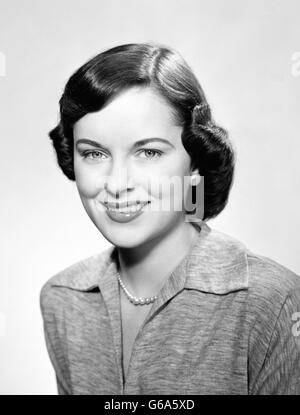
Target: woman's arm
{"x": 280, "y": 372}
{"x": 53, "y": 338}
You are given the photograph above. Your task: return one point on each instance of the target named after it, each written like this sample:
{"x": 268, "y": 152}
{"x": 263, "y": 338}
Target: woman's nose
{"x": 117, "y": 181}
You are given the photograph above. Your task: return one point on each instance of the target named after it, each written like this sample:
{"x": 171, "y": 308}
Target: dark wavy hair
{"x": 153, "y": 65}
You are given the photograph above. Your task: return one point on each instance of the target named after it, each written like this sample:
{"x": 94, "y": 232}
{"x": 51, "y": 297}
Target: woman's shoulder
{"x": 270, "y": 279}
{"x": 229, "y": 258}
{"x": 82, "y": 275}
{"x": 265, "y": 275}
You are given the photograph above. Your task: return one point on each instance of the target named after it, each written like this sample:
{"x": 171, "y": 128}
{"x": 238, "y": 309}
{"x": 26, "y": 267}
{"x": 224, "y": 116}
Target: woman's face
{"x": 112, "y": 165}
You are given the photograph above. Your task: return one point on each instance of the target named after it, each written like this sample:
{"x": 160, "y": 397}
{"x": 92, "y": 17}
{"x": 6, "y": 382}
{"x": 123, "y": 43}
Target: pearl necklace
{"x": 135, "y": 300}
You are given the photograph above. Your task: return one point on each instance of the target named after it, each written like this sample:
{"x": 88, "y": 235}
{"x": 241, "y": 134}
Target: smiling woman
{"x": 173, "y": 306}
{"x": 127, "y": 169}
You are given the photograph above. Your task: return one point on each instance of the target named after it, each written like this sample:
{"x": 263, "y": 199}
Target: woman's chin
{"x": 124, "y": 241}
{"x": 136, "y": 232}
{"x": 122, "y": 236}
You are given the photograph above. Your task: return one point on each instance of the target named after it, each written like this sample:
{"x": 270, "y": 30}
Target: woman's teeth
{"x": 128, "y": 209}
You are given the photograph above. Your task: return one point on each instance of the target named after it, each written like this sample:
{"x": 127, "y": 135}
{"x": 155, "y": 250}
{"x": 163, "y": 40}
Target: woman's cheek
{"x": 88, "y": 183}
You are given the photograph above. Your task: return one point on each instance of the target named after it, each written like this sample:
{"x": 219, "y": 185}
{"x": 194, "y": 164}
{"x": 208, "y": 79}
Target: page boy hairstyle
{"x": 163, "y": 69}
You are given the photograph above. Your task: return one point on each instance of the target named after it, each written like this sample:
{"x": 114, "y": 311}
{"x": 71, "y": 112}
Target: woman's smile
{"x": 124, "y": 214}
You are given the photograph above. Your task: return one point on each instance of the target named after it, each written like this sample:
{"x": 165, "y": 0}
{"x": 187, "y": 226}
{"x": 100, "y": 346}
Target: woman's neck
{"x": 145, "y": 269}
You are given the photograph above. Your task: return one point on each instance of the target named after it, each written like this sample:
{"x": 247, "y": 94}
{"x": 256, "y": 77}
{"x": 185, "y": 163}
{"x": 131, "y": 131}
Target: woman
{"x": 173, "y": 306}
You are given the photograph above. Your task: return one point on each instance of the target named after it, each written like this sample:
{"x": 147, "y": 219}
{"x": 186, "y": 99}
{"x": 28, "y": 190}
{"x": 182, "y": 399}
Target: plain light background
{"x": 243, "y": 53}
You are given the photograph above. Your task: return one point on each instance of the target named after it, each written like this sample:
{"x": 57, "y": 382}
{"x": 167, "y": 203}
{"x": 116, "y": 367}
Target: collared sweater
{"x": 226, "y": 321}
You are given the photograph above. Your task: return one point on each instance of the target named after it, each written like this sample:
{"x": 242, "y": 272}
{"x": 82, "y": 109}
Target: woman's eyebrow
{"x": 150, "y": 140}
{"x": 138, "y": 143}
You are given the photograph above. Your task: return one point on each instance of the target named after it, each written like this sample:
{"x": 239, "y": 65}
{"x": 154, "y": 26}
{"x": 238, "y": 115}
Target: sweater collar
{"x": 216, "y": 263}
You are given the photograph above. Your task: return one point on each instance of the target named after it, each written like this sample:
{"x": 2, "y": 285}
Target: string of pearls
{"x": 135, "y": 300}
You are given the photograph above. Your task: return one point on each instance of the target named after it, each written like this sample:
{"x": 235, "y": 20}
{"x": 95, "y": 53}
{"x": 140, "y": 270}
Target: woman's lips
{"x": 126, "y": 209}
{"x": 125, "y": 214}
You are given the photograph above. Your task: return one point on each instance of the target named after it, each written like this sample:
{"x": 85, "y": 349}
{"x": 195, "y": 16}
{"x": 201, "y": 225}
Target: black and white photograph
{"x": 150, "y": 176}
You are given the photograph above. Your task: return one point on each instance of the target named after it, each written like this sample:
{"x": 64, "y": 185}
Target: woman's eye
{"x": 150, "y": 153}
{"x": 93, "y": 155}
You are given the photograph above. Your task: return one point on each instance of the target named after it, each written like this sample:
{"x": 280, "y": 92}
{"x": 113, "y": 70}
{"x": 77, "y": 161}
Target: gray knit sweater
{"x": 226, "y": 321}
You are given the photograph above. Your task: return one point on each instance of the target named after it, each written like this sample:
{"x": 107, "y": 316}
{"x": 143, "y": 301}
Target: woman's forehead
{"x": 134, "y": 113}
